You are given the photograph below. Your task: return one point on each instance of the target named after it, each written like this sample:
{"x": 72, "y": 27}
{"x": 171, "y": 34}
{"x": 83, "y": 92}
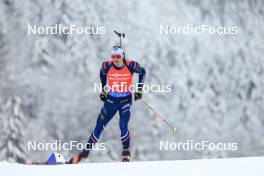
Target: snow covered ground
{"x": 248, "y": 166}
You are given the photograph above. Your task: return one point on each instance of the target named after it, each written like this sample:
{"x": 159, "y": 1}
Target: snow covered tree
{"x": 217, "y": 80}
{"x": 13, "y": 125}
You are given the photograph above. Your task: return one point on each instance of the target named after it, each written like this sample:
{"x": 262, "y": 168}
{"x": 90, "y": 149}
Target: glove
{"x": 103, "y": 96}
{"x": 138, "y": 95}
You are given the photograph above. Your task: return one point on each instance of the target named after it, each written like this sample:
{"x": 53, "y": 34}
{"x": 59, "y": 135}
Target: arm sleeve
{"x": 103, "y": 73}
{"x": 136, "y": 68}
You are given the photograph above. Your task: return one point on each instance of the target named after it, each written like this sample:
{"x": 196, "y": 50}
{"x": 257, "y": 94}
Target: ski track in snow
{"x": 247, "y": 166}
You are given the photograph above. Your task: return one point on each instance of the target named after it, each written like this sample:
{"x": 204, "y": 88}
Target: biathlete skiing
{"x": 116, "y": 74}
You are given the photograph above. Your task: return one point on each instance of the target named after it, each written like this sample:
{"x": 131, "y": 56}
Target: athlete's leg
{"x": 124, "y": 111}
{"x": 106, "y": 114}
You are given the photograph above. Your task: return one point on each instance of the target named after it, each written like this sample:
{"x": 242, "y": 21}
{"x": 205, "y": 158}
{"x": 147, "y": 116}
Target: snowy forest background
{"x": 218, "y": 83}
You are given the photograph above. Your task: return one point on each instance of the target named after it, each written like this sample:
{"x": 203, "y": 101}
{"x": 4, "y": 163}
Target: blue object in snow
{"x": 56, "y": 158}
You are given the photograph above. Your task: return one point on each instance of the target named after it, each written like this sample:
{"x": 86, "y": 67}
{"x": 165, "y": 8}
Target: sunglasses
{"x": 116, "y": 56}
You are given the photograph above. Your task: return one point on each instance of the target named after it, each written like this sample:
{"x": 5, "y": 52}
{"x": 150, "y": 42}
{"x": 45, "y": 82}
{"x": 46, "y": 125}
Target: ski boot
{"x": 126, "y": 156}
{"x": 77, "y": 158}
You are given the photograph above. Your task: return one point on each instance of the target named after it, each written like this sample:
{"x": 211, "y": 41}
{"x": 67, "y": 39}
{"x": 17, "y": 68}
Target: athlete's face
{"x": 117, "y": 59}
